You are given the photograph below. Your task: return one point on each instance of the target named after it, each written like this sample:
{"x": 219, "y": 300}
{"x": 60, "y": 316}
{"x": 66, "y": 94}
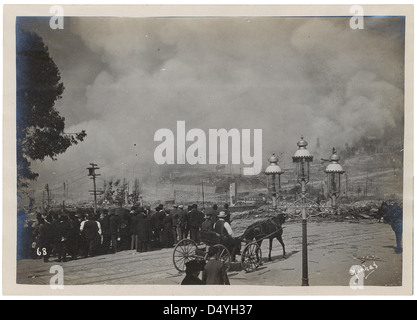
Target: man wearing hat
{"x": 158, "y": 223}
{"x": 212, "y": 213}
{"x": 91, "y": 230}
{"x": 182, "y": 223}
{"x": 144, "y": 230}
{"x": 214, "y": 271}
{"x": 196, "y": 220}
{"x": 133, "y": 228}
{"x": 174, "y": 216}
{"x": 207, "y": 223}
{"x": 192, "y": 272}
{"x": 223, "y": 228}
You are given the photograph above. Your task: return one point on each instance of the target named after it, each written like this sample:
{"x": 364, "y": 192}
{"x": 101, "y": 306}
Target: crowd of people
{"x": 84, "y": 234}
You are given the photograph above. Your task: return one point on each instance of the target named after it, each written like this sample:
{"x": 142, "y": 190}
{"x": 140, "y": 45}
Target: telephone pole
{"x": 202, "y": 191}
{"x": 63, "y": 201}
{"x": 48, "y": 195}
{"x": 92, "y": 173}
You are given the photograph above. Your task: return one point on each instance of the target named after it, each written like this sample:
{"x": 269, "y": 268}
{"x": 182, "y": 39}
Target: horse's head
{"x": 384, "y": 211}
{"x": 280, "y": 218}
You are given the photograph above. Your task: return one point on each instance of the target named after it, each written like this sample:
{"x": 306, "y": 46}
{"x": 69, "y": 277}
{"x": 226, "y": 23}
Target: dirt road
{"x": 334, "y": 247}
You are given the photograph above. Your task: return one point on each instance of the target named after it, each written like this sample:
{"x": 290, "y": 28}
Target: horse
{"x": 267, "y": 229}
{"x": 393, "y": 215}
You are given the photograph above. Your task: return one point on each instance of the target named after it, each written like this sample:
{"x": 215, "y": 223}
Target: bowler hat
{"x": 222, "y": 214}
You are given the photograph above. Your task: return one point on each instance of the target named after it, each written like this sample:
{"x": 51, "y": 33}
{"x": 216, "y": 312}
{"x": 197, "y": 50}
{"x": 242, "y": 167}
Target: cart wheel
{"x": 184, "y": 251}
{"x": 224, "y": 255}
{"x": 251, "y": 257}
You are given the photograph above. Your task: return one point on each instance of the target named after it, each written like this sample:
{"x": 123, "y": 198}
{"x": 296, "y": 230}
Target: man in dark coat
{"x": 133, "y": 228}
{"x": 227, "y": 212}
{"x": 144, "y": 231}
{"x": 207, "y": 223}
{"x": 183, "y": 223}
{"x": 46, "y": 238}
{"x": 158, "y": 223}
{"x": 105, "y": 235}
{"x": 192, "y": 272}
{"x": 174, "y": 216}
{"x": 124, "y": 229}
{"x": 214, "y": 271}
{"x": 166, "y": 234}
{"x": 28, "y": 240}
{"x": 212, "y": 213}
{"x": 196, "y": 220}
{"x": 55, "y": 223}
{"x": 92, "y": 232}
{"x": 64, "y": 233}
{"x": 73, "y": 241}
{"x": 114, "y": 225}
{"x": 223, "y": 228}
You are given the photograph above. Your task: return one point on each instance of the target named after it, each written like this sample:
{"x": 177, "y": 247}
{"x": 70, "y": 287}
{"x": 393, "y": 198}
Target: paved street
{"x": 333, "y": 247}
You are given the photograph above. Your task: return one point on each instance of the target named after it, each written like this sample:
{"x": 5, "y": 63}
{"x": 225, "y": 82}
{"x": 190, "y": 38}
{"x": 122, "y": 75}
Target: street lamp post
{"x": 274, "y": 170}
{"x": 302, "y": 158}
{"x": 334, "y": 171}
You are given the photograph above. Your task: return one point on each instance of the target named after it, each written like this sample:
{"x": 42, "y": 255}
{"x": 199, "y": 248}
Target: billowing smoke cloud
{"x": 287, "y": 76}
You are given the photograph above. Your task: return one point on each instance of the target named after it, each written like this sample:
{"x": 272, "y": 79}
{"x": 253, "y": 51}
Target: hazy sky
{"x": 126, "y": 78}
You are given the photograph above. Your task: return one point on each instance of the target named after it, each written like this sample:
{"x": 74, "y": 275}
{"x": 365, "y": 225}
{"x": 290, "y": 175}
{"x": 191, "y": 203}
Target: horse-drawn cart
{"x": 187, "y": 250}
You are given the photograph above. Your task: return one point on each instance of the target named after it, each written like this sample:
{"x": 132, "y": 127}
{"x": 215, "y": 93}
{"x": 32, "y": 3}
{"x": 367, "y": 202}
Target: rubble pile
{"x": 359, "y": 210}
{"x": 366, "y": 209}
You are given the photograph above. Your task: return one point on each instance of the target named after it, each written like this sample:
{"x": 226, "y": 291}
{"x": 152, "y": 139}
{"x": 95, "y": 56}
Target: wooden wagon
{"x": 187, "y": 250}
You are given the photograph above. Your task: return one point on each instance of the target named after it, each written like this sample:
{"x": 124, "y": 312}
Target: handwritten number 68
{"x": 41, "y": 252}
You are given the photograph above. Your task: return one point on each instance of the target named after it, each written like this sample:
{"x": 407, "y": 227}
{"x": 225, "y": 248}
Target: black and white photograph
{"x": 264, "y": 149}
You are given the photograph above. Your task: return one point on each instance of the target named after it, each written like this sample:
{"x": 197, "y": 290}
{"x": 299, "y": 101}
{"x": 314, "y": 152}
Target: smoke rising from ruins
{"x": 127, "y": 78}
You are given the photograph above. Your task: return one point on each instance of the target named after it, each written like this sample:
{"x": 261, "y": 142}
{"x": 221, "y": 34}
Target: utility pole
{"x": 48, "y": 196}
{"x": 43, "y": 201}
{"x": 92, "y": 173}
{"x": 63, "y": 201}
{"x": 202, "y": 190}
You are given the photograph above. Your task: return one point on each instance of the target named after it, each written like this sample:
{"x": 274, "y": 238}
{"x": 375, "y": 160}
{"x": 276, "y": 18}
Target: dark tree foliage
{"x": 39, "y": 126}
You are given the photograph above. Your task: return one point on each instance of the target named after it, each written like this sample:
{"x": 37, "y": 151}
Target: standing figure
{"x": 113, "y": 230}
{"x": 105, "y": 236}
{"x": 213, "y": 213}
{"x": 73, "y": 241}
{"x": 144, "y": 230}
{"x": 124, "y": 229}
{"x": 92, "y": 232}
{"x": 183, "y": 223}
{"x": 46, "y": 238}
{"x": 214, "y": 271}
{"x": 174, "y": 216}
{"x": 223, "y": 228}
{"x": 207, "y": 223}
{"x": 227, "y": 212}
{"x": 196, "y": 220}
{"x": 133, "y": 228}
{"x": 64, "y": 233}
{"x": 166, "y": 233}
{"x": 192, "y": 272}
